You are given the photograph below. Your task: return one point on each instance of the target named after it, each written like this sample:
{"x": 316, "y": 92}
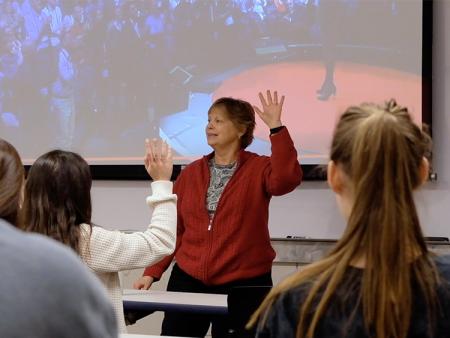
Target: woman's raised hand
{"x": 271, "y": 109}
{"x": 158, "y": 159}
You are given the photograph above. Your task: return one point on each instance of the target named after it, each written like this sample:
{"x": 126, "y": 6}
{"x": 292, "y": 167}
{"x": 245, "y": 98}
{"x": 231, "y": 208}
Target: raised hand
{"x": 271, "y": 109}
{"x": 158, "y": 160}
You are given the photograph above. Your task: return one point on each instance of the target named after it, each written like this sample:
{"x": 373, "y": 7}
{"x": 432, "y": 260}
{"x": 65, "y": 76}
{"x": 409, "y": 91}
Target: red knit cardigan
{"x": 236, "y": 243}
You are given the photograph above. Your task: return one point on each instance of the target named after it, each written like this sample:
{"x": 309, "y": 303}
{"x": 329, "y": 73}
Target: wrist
{"x": 275, "y": 124}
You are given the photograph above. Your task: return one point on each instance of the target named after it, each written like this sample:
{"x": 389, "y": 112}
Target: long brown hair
{"x": 57, "y": 197}
{"x": 381, "y": 151}
{"x": 11, "y": 183}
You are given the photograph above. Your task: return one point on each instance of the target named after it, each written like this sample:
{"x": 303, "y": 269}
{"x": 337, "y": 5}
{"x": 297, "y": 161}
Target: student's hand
{"x": 158, "y": 160}
{"x": 143, "y": 283}
{"x": 271, "y": 109}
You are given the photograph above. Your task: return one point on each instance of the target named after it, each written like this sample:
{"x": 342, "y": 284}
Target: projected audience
{"x": 223, "y": 236}
{"x": 137, "y": 62}
{"x": 58, "y": 204}
{"x": 62, "y": 93}
{"x": 380, "y": 280}
{"x": 45, "y": 290}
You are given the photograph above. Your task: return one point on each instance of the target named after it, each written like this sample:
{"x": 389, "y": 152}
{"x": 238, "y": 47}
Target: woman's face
{"x": 221, "y": 131}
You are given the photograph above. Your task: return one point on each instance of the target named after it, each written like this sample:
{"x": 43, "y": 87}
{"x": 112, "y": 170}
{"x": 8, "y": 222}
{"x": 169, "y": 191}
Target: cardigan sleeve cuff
{"x": 276, "y": 130}
{"x": 154, "y": 271}
{"x": 161, "y": 191}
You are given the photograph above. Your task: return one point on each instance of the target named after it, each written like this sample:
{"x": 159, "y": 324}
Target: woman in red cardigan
{"x": 223, "y": 209}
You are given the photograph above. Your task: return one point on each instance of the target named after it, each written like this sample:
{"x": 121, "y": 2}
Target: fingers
{"x": 137, "y": 285}
{"x": 269, "y": 97}
{"x": 270, "y": 101}
{"x": 282, "y": 101}
{"x": 147, "y": 146}
{"x": 157, "y": 151}
{"x": 151, "y": 153}
{"x": 148, "y": 153}
{"x": 168, "y": 157}
{"x": 257, "y": 110}
{"x": 143, "y": 283}
{"x": 164, "y": 149}
{"x": 262, "y": 99}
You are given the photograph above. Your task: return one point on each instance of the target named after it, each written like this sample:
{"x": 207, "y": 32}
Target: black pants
{"x": 197, "y": 325}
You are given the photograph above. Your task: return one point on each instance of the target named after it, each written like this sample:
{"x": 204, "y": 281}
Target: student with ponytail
{"x": 380, "y": 280}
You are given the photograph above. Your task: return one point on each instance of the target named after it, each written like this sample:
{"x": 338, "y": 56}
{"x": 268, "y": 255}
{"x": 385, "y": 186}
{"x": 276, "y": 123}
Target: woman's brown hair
{"x": 11, "y": 183}
{"x": 381, "y": 150}
{"x": 57, "y": 197}
{"x": 241, "y": 113}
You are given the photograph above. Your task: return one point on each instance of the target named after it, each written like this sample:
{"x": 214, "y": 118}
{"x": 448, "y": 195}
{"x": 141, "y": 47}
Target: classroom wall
{"x": 310, "y": 210}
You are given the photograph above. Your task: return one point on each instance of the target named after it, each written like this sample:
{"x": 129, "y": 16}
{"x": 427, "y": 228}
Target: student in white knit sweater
{"x": 58, "y": 204}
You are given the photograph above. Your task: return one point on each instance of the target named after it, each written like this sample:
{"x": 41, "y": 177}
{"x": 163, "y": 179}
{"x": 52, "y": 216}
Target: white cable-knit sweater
{"x": 109, "y": 251}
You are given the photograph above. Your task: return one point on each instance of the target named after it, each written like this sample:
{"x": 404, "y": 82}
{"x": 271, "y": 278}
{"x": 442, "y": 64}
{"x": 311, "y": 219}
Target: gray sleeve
{"x": 46, "y": 291}
{"x": 91, "y": 311}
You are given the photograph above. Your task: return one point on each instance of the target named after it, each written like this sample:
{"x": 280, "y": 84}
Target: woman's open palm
{"x": 271, "y": 109}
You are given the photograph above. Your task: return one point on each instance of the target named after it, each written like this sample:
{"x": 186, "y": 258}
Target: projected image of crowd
{"x": 72, "y": 65}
